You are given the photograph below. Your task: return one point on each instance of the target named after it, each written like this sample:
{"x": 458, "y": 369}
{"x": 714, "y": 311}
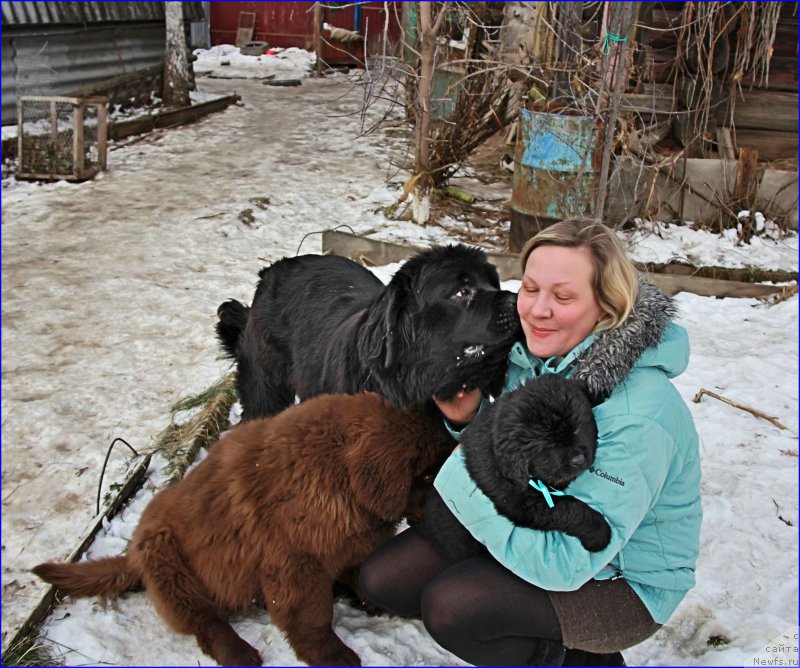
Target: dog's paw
{"x": 598, "y": 537}
{"x": 237, "y": 654}
{"x": 344, "y": 657}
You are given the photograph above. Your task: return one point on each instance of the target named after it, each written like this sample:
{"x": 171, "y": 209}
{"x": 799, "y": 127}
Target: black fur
{"x": 326, "y": 324}
{"x": 544, "y": 431}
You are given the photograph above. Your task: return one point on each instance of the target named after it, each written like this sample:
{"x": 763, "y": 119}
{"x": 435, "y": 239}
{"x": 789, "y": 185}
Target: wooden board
{"x": 246, "y": 28}
{"x": 377, "y": 253}
{"x": 758, "y": 109}
{"x": 168, "y": 119}
{"x": 771, "y": 145}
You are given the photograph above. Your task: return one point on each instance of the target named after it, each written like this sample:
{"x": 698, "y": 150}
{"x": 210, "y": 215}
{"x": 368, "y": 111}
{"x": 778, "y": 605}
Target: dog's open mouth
{"x": 473, "y": 351}
{"x": 470, "y": 354}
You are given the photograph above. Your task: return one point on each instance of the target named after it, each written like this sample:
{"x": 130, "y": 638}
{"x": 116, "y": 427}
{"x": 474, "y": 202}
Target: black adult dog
{"x": 531, "y": 441}
{"x": 322, "y": 324}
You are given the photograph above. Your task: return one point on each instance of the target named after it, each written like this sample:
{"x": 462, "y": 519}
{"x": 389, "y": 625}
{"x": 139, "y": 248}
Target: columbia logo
{"x": 607, "y": 476}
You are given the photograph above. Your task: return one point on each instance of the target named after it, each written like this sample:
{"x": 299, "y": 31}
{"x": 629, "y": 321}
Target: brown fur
{"x": 279, "y": 509}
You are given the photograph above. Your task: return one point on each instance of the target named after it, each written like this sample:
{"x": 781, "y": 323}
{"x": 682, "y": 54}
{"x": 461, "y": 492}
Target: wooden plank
{"x": 362, "y": 249}
{"x": 744, "y": 186}
{"x": 48, "y": 599}
{"x": 759, "y": 109}
{"x": 377, "y": 253}
{"x": 50, "y": 98}
{"x": 136, "y": 126}
{"x": 770, "y": 145}
{"x": 41, "y": 176}
{"x": 740, "y": 274}
{"x": 245, "y": 29}
{"x": 725, "y": 144}
{"x": 781, "y": 78}
{"x": 78, "y": 154}
{"x": 192, "y": 113}
{"x": 645, "y": 103}
{"x": 672, "y": 284}
{"x": 777, "y": 193}
{"x": 102, "y": 135}
{"x": 123, "y": 129}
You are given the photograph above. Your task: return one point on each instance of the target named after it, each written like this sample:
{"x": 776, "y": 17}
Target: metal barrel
{"x": 555, "y": 172}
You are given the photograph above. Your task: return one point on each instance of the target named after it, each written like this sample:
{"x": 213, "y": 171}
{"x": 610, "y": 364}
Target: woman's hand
{"x": 461, "y": 408}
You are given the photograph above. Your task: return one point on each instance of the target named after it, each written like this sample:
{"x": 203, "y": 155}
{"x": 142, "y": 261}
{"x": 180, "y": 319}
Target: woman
{"x": 585, "y": 314}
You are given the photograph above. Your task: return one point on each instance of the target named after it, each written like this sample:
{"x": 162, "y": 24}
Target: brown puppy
{"x": 279, "y": 509}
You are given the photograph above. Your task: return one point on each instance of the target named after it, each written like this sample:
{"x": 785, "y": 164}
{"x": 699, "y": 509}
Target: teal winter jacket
{"x": 645, "y": 479}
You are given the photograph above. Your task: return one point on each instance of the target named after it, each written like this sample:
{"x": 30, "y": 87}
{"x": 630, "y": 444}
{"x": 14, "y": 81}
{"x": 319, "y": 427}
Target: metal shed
{"x": 68, "y": 48}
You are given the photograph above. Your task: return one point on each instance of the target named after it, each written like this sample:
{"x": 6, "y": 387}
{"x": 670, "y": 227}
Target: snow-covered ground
{"x": 110, "y": 290}
{"x": 227, "y": 62}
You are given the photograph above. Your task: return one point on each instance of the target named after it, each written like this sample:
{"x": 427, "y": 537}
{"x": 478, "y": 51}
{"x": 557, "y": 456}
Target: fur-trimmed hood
{"x": 603, "y": 360}
{"x": 612, "y": 354}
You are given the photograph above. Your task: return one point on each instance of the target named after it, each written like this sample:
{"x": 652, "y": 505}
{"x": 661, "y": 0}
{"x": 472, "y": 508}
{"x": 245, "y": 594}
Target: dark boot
{"x": 547, "y": 653}
{"x": 578, "y": 657}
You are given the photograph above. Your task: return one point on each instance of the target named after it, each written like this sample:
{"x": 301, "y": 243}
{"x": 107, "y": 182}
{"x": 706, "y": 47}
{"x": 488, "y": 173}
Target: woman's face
{"x": 556, "y": 302}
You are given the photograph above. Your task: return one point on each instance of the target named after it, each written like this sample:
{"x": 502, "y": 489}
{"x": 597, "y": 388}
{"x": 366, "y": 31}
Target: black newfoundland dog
{"x": 322, "y": 324}
{"x": 522, "y": 451}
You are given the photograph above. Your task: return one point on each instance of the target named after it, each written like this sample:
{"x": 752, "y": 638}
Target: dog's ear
{"x": 380, "y": 476}
{"x": 384, "y": 335}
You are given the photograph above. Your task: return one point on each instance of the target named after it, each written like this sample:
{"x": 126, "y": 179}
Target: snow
{"x": 663, "y": 243}
{"x": 227, "y": 62}
{"x": 110, "y": 290}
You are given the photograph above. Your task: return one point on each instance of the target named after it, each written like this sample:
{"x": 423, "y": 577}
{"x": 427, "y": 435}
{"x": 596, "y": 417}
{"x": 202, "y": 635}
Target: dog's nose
{"x": 578, "y": 462}
{"x": 507, "y": 299}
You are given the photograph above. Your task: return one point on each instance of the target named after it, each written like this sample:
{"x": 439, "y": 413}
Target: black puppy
{"x": 326, "y": 324}
{"x": 522, "y": 451}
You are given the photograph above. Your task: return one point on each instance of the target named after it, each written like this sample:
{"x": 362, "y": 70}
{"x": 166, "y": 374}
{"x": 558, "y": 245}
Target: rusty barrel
{"x": 555, "y": 172}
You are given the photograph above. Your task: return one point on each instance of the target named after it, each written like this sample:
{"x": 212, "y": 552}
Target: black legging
{"x": 476, "y": 608}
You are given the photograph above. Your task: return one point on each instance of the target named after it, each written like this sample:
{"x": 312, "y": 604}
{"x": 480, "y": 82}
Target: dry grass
{"x": 27, "y": 651}
{"x": 181, "y": 441}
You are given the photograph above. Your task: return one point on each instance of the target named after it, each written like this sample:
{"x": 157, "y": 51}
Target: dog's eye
{"x": 462, "y": 293}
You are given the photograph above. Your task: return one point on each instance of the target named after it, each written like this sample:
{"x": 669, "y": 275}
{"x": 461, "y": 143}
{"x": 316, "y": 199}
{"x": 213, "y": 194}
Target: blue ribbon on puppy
{"x": 547, "y": 492}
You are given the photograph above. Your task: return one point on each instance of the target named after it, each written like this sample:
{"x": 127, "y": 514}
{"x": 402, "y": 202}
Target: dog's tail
{"x": 111, "y": 575}
{"x": 232, "y": 320}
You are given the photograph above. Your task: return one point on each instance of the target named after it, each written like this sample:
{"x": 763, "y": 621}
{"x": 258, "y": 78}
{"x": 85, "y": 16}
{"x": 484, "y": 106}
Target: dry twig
{"x": 753, "y": 411}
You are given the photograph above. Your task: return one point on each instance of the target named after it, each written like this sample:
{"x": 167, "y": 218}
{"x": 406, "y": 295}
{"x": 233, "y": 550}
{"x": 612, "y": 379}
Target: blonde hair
{"x": 615, "y": 280}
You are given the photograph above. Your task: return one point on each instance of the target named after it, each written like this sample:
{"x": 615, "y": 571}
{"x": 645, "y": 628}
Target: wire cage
{"x": 61, "y": 137}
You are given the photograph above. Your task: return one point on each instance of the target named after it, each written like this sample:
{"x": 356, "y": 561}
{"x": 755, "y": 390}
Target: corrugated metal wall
{"x": 56, "y": 48}
{"x": 201, "y": 30}
{"x": 9, "y": 79}
{"x": 60, "y": 60}
{"x": 63, "y": 13}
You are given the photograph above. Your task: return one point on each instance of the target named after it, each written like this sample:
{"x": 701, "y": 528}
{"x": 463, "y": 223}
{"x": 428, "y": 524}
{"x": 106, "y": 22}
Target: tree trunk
{"x": 420, "y": 207}
{"x": 177, "y": 77}
{"x": 570, "y": 49}
{"x": 620, "y": 25}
